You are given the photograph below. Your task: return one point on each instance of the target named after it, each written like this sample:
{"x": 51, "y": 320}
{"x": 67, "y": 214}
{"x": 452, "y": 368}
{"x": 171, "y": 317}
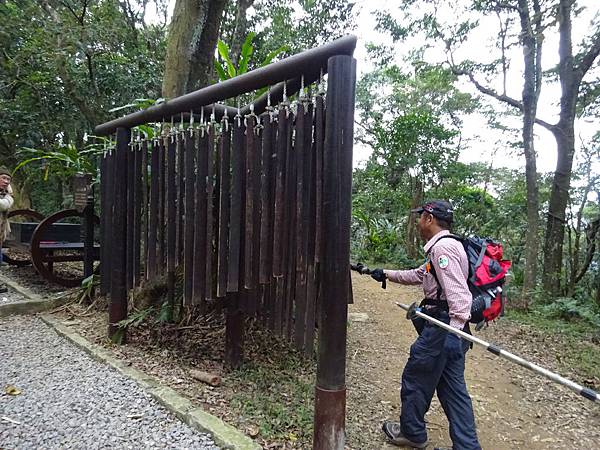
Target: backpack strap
{"x": 432, "y": 268}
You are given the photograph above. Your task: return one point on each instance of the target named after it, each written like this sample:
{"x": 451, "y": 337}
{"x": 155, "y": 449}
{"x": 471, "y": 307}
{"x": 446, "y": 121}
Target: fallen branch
{"x": 205, "y": 377}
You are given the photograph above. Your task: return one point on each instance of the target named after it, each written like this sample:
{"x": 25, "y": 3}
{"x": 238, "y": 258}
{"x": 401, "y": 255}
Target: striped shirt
{"x": 451, "y": 266}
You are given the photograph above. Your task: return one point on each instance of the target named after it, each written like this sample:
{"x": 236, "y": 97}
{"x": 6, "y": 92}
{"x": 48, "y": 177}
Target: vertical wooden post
{"x": 117, "y": 310}
{"x": 330, "y": 395}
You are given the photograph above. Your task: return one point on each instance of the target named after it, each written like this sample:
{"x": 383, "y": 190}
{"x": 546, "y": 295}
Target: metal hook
{"x": 225, "y": 120}
{"x": 238, "y": 116}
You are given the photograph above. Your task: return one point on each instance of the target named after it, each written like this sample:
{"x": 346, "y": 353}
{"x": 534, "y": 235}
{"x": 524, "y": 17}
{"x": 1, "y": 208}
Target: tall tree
{"x": 191, "y": 42}
{"x": 533, "y": 18}
{"x": 572, "y": 69}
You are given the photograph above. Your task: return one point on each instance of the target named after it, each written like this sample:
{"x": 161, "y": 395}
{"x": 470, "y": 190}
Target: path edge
{"x": 224, "y": 435}
{"x": 34, "y": 303}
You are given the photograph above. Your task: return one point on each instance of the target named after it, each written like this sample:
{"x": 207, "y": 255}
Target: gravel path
{"x": 10, "y": 297}
{"x": 70, "y": 401}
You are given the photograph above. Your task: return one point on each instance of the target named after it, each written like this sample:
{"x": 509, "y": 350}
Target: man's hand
{"x": 378, "y": 275}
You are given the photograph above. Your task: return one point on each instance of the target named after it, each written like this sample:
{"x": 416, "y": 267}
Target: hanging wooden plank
{"x": 190, "y": 214}
{"x": 102, "y": 163}
{"x": 153, "y": 214}
{"x": 180, "y": 194}
{"x": 311, "y": 290}
{"x": 251, "y": 206}
{"x": 130, "y": 215}
{"x": 199, "y": 288}
{"x": 224, "y": 207}
{"x": 145, "y": 208}
{"x": 137, "y": 215}
{"x": 110, "y": 194}
{"x": 162, "y": 190}
{"x": 171, "y": 216}
{"x": 290, "y": 231}
{"x": 301, "y": 226}
{"x": 266, "y": 199}
{"x": 211, "y": 252}
{"x": 238, "y": 173}
{"x": 319, "y": 143}
{"x": 279, "y": 207}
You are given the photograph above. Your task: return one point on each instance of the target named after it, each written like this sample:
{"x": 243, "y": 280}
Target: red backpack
{"x": 487, "y": 274}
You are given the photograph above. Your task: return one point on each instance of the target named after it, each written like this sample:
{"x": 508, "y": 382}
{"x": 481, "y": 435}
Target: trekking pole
{"x": 364, "y": 270}
{"x": 413, "y": 311}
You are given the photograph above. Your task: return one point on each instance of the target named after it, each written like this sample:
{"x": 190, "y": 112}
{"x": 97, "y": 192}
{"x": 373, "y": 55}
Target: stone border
{"x": 224, "y": 435}
{"x": 33, "y": 304}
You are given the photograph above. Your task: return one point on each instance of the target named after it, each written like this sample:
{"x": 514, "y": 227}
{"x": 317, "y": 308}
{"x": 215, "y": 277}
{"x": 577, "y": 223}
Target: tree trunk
{"x": 411, "y": 225}
{"x": 531, "y": 44}
{"x": 564, "y": 132}
{"x": 192, "y": 38}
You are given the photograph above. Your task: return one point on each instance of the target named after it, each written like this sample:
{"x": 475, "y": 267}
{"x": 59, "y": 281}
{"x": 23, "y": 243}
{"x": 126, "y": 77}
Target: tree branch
{"x": 500, "y": 97}
{"x": 588, "y": 59}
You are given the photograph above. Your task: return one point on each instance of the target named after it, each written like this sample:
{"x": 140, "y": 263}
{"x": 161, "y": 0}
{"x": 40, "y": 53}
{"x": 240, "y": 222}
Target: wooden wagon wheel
{"x": 29, "y": 214}
{"x": 39, "y": 256}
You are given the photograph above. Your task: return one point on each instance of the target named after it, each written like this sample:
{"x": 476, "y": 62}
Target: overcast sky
{"x": 482, "y": 140}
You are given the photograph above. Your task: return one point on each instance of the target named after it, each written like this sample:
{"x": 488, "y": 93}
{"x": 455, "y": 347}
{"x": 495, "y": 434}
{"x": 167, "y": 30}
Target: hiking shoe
{"x": 394, "y": 435}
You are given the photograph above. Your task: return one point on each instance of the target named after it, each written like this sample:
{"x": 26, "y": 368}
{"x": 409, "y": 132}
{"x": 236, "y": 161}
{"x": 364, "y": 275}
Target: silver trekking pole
{"x": 413, "y": 311}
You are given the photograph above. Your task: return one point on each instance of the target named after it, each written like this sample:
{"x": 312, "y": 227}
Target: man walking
{"x": 6, "y": 202}
{"x": 437, "y": 358}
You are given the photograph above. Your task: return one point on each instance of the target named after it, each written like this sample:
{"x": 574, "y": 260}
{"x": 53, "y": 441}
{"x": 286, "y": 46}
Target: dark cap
{"x": 437, "y": 208}
{"x": 5, "y": 171}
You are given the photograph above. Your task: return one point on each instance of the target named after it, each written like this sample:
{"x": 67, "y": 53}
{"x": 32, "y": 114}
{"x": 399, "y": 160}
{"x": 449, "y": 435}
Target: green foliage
{"x": 276, "y": 393}
{"x": 140, "y": 317}
{"x": 570, "y": 309}
{"x": 224, "y": 64}
{"x": 64, "y": 162}
{"x": 88, "y": 285}
{"x": 290, "y": 26}
{"x": 63, "y": 67}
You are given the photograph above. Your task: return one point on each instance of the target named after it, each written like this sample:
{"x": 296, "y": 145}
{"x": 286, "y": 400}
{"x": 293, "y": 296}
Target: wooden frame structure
{"x": 253, "y": 204}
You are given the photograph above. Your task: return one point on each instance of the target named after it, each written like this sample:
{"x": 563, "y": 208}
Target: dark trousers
{"x": 431, "y": 366}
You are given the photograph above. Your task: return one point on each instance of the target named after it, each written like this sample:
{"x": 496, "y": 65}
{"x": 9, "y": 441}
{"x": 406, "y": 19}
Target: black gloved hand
{"x": 378, "y": 275}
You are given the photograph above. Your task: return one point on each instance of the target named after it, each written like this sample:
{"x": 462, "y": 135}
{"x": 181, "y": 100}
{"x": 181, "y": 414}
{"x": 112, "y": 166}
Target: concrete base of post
{"x": 330, "y": 419}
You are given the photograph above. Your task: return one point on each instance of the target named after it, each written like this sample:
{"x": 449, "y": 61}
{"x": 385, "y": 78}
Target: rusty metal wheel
{"x": 28, "y": 214}
{"x": 44, "y": 257}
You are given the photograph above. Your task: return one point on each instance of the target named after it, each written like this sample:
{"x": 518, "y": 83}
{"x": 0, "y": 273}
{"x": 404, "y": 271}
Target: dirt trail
{"x": 514, "y": 408}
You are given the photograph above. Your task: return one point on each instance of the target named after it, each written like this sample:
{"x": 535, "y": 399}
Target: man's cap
{"x": 437, "y": 208}
{"x": 5, "y": 171}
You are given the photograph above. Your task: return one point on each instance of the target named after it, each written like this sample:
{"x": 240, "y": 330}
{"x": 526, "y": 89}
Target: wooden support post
{"x": 117, "y": 310}
{"x": 330, "y": 395}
